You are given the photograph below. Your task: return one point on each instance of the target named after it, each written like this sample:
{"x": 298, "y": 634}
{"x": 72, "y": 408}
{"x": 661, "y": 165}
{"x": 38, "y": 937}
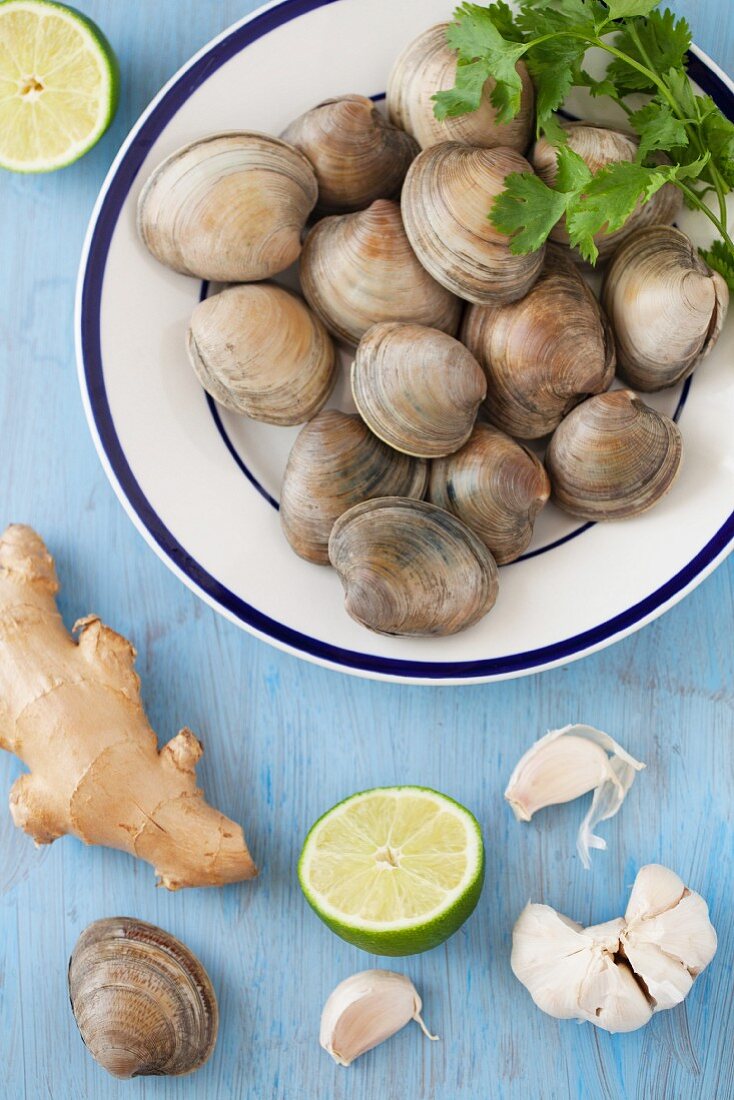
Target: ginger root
{"x": 73, "y": 714}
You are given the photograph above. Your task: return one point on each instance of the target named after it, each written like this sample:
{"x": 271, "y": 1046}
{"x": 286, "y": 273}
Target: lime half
{"x": 58, "y": 85}
{"x": 394, "y": 870}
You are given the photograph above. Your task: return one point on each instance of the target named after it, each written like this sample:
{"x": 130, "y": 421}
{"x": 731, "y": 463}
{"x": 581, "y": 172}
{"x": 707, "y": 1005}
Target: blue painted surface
{"x": 285, "y": 740}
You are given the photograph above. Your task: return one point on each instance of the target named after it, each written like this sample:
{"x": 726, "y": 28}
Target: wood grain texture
{"x": 284, "y": 740}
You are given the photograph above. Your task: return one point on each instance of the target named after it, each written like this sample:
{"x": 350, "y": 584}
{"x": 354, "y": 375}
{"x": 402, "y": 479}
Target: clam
{"x": 229, "y": 208}
{"x": 428, "y": 65}
{"x": 417, "y": 388}
{"x": 612, "y": 457}
{"x": 496, "y": 487}
{"x": 411, "y": 569}
{"x": 359, "y": 269}
{"x": 335, "y": 463}
{"x": 666, "y": 306}
{"x": 447, "y": 195}
{"x": 143, "y": 1003}
{"x": 259, "y": 350}
{"x": 357, "y": 155}
{"x": 600, "y": 146}
{"x": 544, "y": 354}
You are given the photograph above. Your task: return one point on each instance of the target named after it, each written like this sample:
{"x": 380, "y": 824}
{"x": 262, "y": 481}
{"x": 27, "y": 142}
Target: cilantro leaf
{"x": 665, "y": 41}
{"x": 597, "y": 88}
{"x": 623, "y": 9}
{"x": 721, "y": 258}
{"x": 658, "y": 128}
{"x": 483, "y": 52}
{"x": 526, "y": 211}
{"x": 612, "y": 196}
{"x": 503, "y": 18}
{"x": 718, "y": 138}
{"x": 572, "y": 172}
{"x": 539, "y": 17}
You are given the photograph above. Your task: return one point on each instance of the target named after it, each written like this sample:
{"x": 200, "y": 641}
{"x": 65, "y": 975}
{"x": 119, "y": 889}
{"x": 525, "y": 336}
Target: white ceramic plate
{"x": 202, "y": 484}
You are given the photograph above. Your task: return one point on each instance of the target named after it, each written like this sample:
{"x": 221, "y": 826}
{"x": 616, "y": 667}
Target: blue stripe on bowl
{"x": 91, "y": 282}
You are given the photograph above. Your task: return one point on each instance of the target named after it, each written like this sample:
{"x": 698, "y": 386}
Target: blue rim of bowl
{"x": 91, "y": 279}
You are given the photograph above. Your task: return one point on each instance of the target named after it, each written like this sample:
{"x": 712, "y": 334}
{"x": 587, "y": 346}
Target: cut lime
{"x": 394, "y": 870}
{"x": 58, "y": 85}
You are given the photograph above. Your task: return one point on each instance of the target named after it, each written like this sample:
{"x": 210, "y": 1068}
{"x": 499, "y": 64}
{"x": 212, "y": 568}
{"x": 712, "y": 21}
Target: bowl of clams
{"x": 346, "y": 413}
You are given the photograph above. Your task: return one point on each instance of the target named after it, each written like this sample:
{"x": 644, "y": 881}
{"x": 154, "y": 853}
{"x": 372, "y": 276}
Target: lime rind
{"x": 96, "y": 46}
{"x": 405, "y": 936}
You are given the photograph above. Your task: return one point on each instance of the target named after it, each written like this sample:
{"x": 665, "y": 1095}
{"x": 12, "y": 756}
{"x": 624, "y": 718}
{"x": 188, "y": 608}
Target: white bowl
{"x": 202, "y": 484}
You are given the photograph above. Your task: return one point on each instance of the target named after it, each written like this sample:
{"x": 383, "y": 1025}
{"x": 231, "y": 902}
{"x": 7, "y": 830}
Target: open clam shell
{"x": 613, "y": 457}
{"x": 543, "y": 354}
{"x": 357, "y": 155}
{"x": 142, "y": 1001}
{"x": 496, "y": 487}
{"x": 335, "y": 463}
{"x": 418, "y": 389}
{"x": 445, "y": 202}
{"x": 599, "y": 146}
{"x": 229, "y": 207}
{"x": 409, "y": 568}
{"x": 666, "y": 306}
{"x": 259, "y": 350}
{"x": 359, "y": 269}
{"x": 428, "y": 65}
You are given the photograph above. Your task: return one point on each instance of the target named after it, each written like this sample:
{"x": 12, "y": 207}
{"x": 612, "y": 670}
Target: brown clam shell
{"x": 357, "y": 155}
{"x": 543, "y": 354}
{"x": 359, "y": 269}
{"x": 446, "y": 199}
{"x": 613, "y": 457}
{"x": 335, "y": 463}
{"x": 496, "y": 487}
{"x": 411, "y": 569}
{"x": 143, "y": 1003}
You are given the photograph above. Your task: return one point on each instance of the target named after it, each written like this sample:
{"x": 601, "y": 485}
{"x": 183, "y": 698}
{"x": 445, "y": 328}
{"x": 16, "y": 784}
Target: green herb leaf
{"x": 718, "y": 138}
{"x": 573, "y": 173}
{"x": 623, "y": 9}
{"x": 526, "y": 211}
{"x": 483, "y": 52}
{"x": 612, "y": 196}
{"x": 503, "y": 18}
{"x": 663, "y": 44}
{"x": 721, "y": 258}
{"x": 658, "y": 128}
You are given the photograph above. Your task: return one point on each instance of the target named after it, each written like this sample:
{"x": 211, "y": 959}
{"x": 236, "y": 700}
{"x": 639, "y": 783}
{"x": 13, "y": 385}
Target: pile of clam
{"x": 415, "y": 501}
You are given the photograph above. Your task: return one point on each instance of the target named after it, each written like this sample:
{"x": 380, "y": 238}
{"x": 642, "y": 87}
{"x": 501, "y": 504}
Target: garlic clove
{"x": 550, "y": 956}
{"x": 609, "y": 996}
{"x": 566, "y": 764}
{"x": 366, "y": 1009}
{"x": 668, "y": 938}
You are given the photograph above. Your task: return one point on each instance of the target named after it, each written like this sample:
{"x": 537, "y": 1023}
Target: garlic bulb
{"x": 366, "y": 1009}
{"x": 617, "y": 974}
{"x": 565, "y": 764}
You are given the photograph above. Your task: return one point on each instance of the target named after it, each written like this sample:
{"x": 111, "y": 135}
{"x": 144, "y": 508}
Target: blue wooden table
{"x": 285, "y": 740}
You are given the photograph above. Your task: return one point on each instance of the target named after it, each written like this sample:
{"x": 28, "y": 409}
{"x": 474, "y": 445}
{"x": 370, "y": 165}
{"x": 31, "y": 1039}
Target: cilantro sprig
{"x": 648, "y": 49}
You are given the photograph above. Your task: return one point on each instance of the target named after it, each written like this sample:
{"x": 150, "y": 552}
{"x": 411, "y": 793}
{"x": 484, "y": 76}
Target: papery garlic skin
{"x": 566, "y": 764}
{"x": 668, "y": 938}
{"x": 366, "y": 1009}
{"x": 617, "y": 974}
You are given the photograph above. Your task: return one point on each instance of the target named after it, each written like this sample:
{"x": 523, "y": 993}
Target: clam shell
{"x": 496, "y": 487}
{"x": 428, "y": 65}
{"x": 359, "y": 269}
{"x": 229, "y": 207}
{"x": 613, "y": 457}
{"x": 357, "y": 155}
{"x": 666, "y": 306}
{"x": 544, "y": 354}
{"x": 599, "y": 146}
{"x": 335, "y": 463}
{"x": 411, "y": 569}
{"x": 417, "y": 388}
{"x": 143, "y": 1003}
{"x": 446, "y": 198}
{"x": 258, "y": 350}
